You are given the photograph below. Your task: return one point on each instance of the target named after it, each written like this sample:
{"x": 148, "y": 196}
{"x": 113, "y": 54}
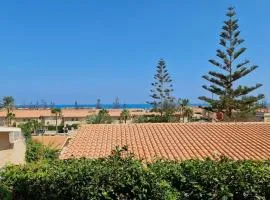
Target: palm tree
{"x": 104, "y": 117}
{"x": 10, "y": 116}
{"x": 125, "y": 114}
{"x": 182, "y": 106}
{"x": 8, "y": 103}
{"x": 189, "y": 113}
{"x": 57, "y": 112}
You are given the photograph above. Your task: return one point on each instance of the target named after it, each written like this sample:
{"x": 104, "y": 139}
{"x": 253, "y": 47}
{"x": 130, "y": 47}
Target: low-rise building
{"x": 12, "y": 146}
{"x": 266, "y": 117}
{"x": 67, "y": 116}
{"x": 76, "y": 116}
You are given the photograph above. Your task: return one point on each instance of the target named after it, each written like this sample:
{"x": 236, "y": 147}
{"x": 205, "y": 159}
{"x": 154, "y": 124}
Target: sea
{"x": 105, "y": 106}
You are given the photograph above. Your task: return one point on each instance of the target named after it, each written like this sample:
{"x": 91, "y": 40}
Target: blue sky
{"x": 68, "y": 50}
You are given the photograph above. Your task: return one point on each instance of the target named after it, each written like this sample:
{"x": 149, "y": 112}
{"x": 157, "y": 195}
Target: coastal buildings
{"x": 266, "y": 117}
{"x": 173, "y": 141}
{"x": 68, "y": 116}
{"x": 12, "y": 146}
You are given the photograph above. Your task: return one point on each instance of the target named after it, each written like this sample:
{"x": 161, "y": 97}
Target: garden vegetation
{"x": 121, "y": 176}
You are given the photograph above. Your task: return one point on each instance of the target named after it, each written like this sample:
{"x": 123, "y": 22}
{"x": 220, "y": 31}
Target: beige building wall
{"x": 266, "y": 117}
{"x": 50, "y": 121}
{"x": 73, "y": 120}
{"x": 12, "y": 146}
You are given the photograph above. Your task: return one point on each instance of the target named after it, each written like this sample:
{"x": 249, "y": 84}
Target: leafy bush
{"x": 156, "y": 119}
{"x": 53, "y": 128}
{"x": 120, "y": 176}
{"x": 75, "y": 126}
{"x": 223, "y": 179}
{"x": 30, "y": 127}
{"x": 5, "y": 193}
{"x": 36, "y": 151}
{"x": 110, "y": 178}
{"x": 102, "y": 117}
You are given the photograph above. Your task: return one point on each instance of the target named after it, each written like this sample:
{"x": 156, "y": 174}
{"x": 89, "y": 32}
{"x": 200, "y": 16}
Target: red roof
{"x": 174, "y": 141}
{"x": 71, "y": 113}
{"x": 56, "y": 141}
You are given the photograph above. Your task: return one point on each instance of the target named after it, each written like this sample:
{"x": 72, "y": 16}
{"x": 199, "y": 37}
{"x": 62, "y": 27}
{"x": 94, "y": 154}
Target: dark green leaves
{"x": 238, "y": 53}
{"x": 161, "y": 88}
{"x": 230, "y": 12}
{"x": 242, "y": 72}
{"x": 124, "y": 177}
{"x": 242, "y": 64}
{"x": 228, "y": 97}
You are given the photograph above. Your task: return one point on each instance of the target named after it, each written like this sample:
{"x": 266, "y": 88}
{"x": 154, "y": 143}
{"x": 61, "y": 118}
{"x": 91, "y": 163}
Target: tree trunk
{"x": 56, "y": 127}
{"x": 183, "y": 113}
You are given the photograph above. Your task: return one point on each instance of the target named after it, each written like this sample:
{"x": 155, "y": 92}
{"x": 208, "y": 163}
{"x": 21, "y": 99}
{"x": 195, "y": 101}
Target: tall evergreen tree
{"x": 162, "y": 89}
{"x": 52, "y": 105}
{"x": 98, "y": 104}
{"x": 116, "y": 103}
{"x": 76, "y": 104}
{"x": 227, "y": 96}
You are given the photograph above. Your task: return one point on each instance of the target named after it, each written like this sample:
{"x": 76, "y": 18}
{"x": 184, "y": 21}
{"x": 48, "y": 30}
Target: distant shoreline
{"x": 106, "y": 106}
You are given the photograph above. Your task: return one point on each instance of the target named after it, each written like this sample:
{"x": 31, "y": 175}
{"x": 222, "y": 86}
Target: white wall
{"x": 16, "y": 153}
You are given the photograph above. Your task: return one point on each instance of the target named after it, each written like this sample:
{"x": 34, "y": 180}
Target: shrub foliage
{"x": 36, "y": 151}
{"x": 5, "y": 193}
{"x": 123, "y": 177}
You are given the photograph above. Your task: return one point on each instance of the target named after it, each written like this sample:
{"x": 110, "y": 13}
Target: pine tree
{"x": 37, "y": 105}
{"x": 230, "y": 97}
{"x": 116, "y": 103}
{"x": 98, "y": 104}
{"x": 76, "y": 104}
{"x": 162, "y": 89}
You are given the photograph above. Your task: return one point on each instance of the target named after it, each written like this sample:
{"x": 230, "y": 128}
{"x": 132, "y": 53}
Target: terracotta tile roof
{"x": 263, "y": 110}
{"x": 76, "y": 113}
{"x": 36, "y": 113}
{"x": 174, "y": 141}
{"x": 56, "y": 141}
{"x": 28, "y": 113}
{"x": 133, "y": 112}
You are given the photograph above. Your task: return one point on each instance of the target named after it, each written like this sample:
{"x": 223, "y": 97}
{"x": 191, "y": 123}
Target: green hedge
{"x": 5, "y": 193}
{"x": 53, "y": 128}
{"x": 156, "y": 119}
{"x": 127, "y": 178}
{"x": 223, "y": 179}
{"x": 74, "y": 126}
{"x": 36, "y": 151}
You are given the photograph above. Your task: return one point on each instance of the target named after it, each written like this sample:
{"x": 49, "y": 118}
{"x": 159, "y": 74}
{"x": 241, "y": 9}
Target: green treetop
{"x": 125, "y": 115}
{"x": 8, "y": 103}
